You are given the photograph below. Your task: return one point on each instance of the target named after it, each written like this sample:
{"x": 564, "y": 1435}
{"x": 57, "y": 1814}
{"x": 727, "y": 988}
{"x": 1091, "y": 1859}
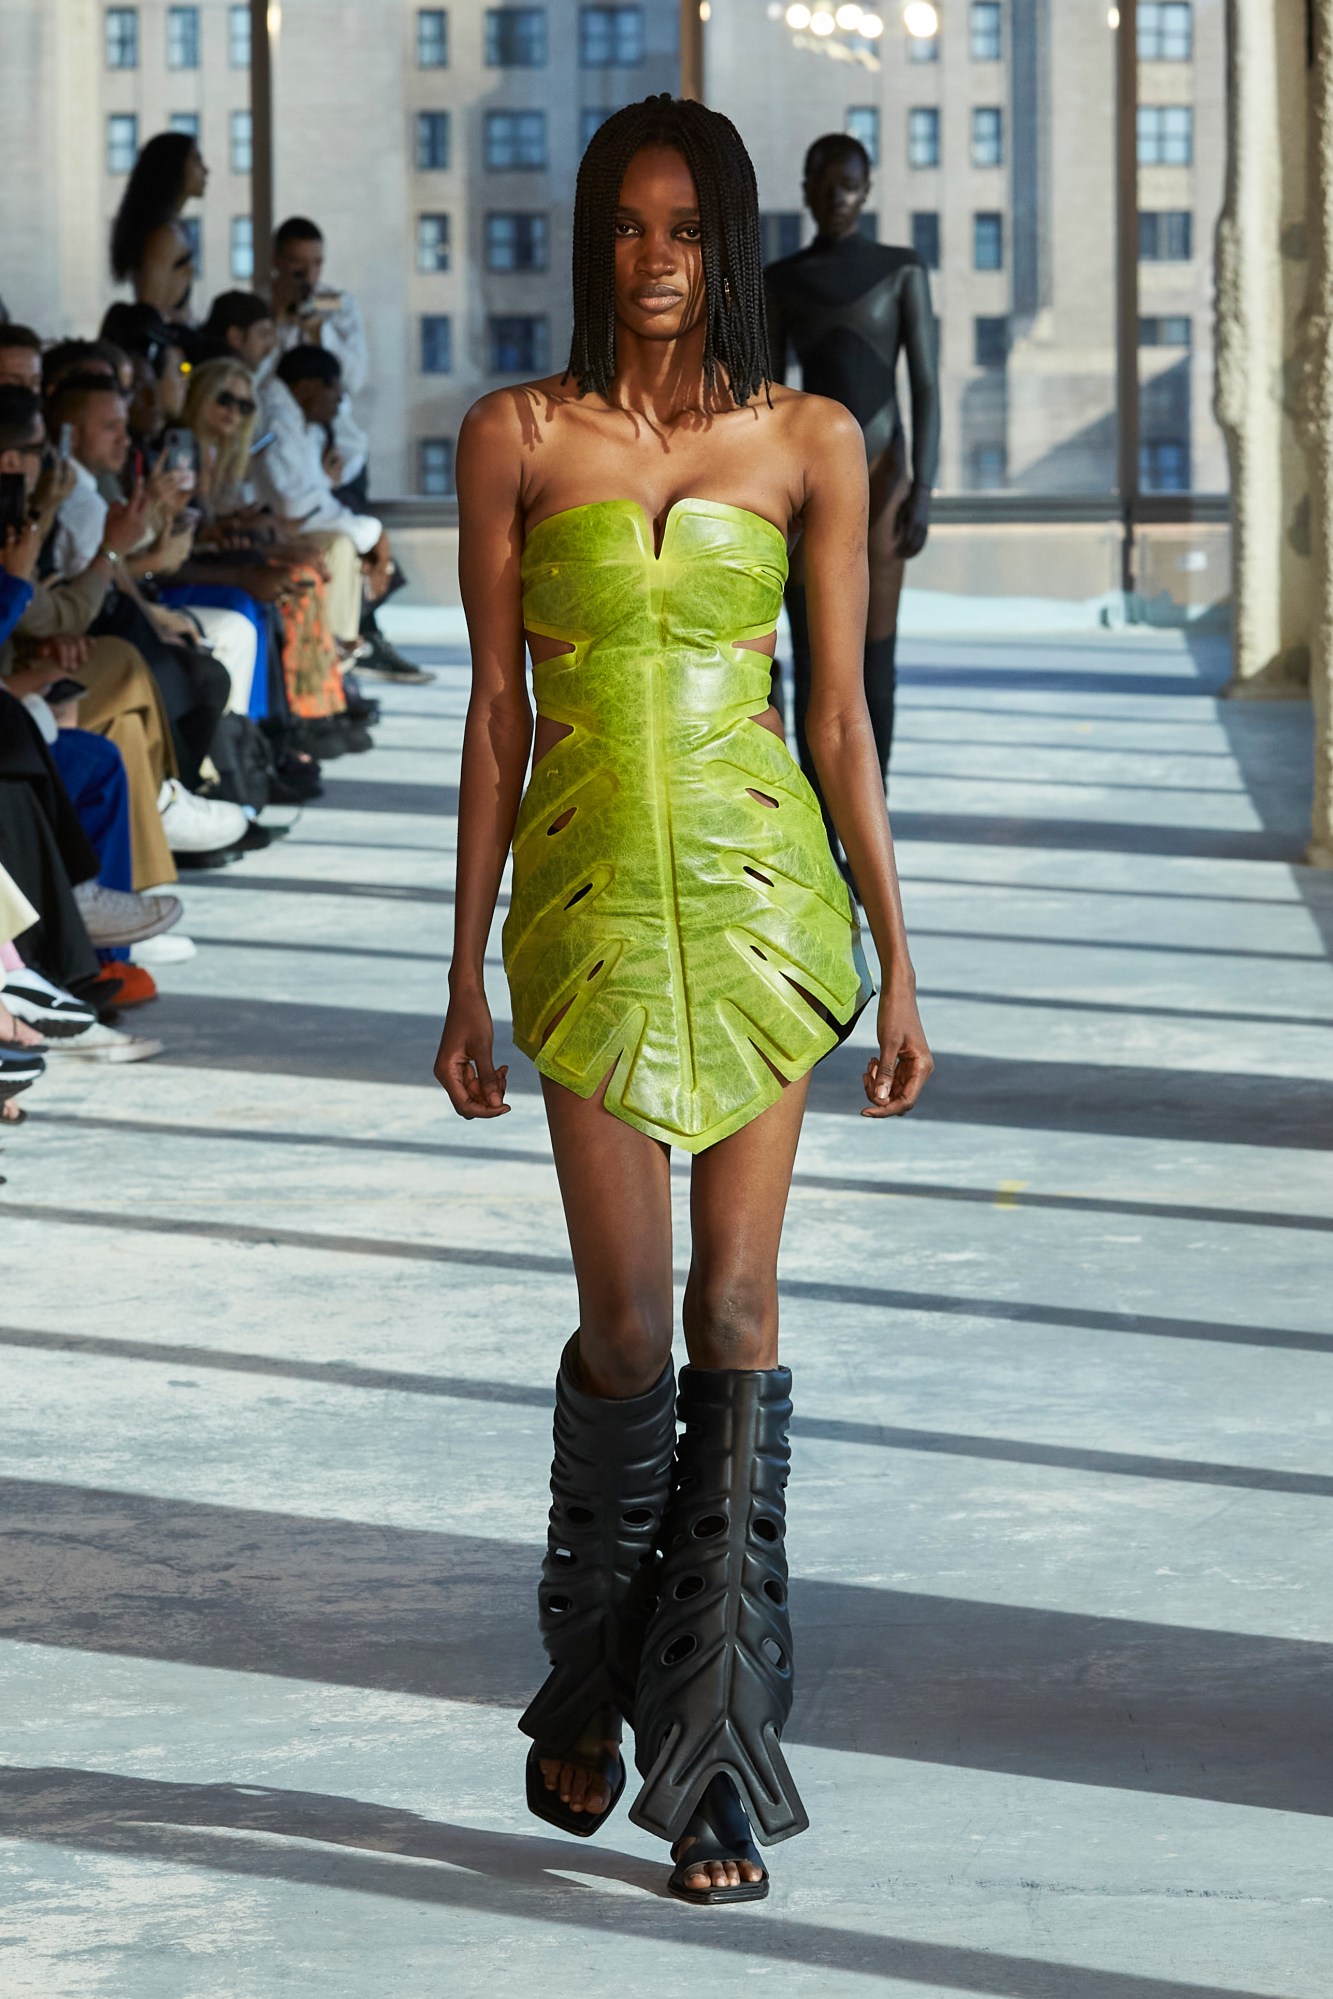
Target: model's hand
{"x": 913, "y": 523}
{"x": 465, "y": 1065}
{"x": 895, "y": 1078}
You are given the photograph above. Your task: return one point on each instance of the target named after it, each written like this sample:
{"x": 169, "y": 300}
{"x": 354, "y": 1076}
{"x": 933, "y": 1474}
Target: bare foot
{"x": 18, "y": 1032}
{"x": 720, "y": 1819}
{"x": 581, "y": 1784}
{"x": 715, "y": 1873}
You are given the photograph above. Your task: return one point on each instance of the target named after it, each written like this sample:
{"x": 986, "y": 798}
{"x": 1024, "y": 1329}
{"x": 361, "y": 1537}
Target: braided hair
{"x": 736, "y": 334}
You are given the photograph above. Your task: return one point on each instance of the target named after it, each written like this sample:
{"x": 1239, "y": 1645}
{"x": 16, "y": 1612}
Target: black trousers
{"x": 44, "y": 848}
{"x": 194, "y": 686}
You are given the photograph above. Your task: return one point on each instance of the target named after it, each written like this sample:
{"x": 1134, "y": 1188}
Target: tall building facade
{"x": 437, "y": 148}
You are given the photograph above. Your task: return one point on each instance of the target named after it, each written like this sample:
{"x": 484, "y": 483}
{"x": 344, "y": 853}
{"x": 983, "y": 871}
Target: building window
{"x": 923, "y": 48}
{"x": 238, "y": 37}
{"x": 182, "y": 38}
{"x": 989, "y": 468}
{"x": 122, "y": 38}
{"x": 242, "y": 249}
{"x": 862, "y": 123}
{"x": 432, "y": 38}
{"x": 868, "y": 225}
{"x": 1171, "y": 330}
{"x": 1166, "y": 135}
{"x": 514, "y": 139}
{"x": 610, "y": 37}
{"x": 519, "y": 344}
{"x": 926, "y": 236}
{"x": 1166, "y": 236}
{"x": 432, "y": 244}
{"x": 516, "y": 242}
{"x": 437, "y": 344}
{"x": 515, "y": 37}
{"x": 122, "y": 142}
{"x": 591, "y": 119}
{"x": 923, "y": 137}
{"x": 987, "y": 136}
{"x": 432, "y": 141}
{"x": 991, "y": 342}
{"x": 242, "y": 142}
{"x": 987, "y": 241}
{"x": 1164, "y": 465}
{"x": 779, "y": 234}
{"x": 1166, "y": 31}
{"x": 184, "y": 122}
{"x": 435, "y": 467}
{"x": 985, "y": 31}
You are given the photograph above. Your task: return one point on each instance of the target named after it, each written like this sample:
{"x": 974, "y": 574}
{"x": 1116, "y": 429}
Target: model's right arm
{"x": 497, "y": 739}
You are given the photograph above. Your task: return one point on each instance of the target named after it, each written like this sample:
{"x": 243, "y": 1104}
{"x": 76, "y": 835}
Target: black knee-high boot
{"x": 881, "y": 685}
{"x": 609, "y": 1483}
{"x": 715, "y": 1682}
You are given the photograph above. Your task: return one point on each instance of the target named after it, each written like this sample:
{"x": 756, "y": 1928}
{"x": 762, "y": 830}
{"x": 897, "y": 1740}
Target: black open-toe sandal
{"x": 549, "y": 1805}
{"x": 718, "y": 1830}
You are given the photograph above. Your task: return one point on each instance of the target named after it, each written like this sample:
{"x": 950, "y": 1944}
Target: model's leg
{"x": 615, "y": 1434}
{"x": 890, "y": 484}
{"x": 715, "y": 1687}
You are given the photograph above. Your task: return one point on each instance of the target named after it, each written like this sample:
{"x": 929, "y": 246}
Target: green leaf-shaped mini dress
{"x": 666, "y": 922}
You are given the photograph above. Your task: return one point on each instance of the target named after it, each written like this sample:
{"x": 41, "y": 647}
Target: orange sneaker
{"x": 136, "y": 985}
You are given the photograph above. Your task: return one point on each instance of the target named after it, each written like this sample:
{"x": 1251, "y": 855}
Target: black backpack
{"x": 243, "y": 760}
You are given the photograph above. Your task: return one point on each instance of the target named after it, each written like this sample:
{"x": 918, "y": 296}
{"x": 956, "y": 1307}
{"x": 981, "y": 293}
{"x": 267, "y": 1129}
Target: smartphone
{"x": 262, "y": 443}
{"x": 13, "y": 502}
{"x": 67, "y": 689}
{"x": 181, "y": 456}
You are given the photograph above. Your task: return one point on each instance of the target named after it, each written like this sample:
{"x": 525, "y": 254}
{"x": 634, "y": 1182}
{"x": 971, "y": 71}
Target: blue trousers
{"x": 93, "y": 771}
{"x": 223, "y": 597}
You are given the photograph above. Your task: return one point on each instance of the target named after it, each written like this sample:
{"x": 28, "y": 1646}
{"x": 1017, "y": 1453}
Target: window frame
{"x": 179, "y": 53}
{"x": 425, "y": 42}
{"x": 426, "y": 445}
{"x": 979, "y": 148}
{"x": 933, "y": 217}
{"x": 491, "y": 122}
{"x": 1153, "y": 137}
{"x": 443, "y": 242}
{"x": 1157, "y": 36}
{"x": 241, "y": 233}
{"x": 614, "y": 16}
{"x": 434, "y": 121}
{"x": 985, "y": 44}
{"x": 524, "y": 220}
{"x": 924, "y": 118}
{"x": 538, "y": 358}
{"x": 862, "y": 123}
{"x": 991, "y": 218}
{"x": 502, "y": 48}
{"x": 120, "y": 121}
{"x": 431, "y": 326}
{"x": 991, "y": 320}
{"x": 114, "y": 41}
{"x": 241, "y": 150}
{"x": 238, "y": 37}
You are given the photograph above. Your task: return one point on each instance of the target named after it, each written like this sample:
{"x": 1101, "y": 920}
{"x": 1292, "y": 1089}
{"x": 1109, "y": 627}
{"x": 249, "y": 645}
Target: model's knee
{"x": 622, "y": 1353}
{"x": 732, "y": 1321}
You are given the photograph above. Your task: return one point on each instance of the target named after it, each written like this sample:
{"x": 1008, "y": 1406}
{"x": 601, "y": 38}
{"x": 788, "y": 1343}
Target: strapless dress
{"x": 676, "y": 915}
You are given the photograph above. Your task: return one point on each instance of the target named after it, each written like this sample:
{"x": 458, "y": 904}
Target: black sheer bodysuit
{"x": 848, "y": 308}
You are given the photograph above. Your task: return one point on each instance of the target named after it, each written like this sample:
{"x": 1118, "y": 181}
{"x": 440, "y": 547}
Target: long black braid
{"x": 736, "y": 334}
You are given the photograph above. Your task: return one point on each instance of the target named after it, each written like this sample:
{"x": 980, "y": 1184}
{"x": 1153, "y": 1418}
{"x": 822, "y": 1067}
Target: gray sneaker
{"x": 112, "y": 917}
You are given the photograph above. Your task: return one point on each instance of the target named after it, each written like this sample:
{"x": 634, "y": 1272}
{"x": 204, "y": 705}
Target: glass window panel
{"x": 862, "y": 123}
{"x": 986, "y": 31}
{"x": 1166, "y": 135}
{"x": 590, "y": 117}
{"x": 122, "y": 38}
{"x": 990, "y": 340}
{"x": 610, "y": 37}
{"x": 780, "y": 233}
{"x": 182, "y": 38}
{"x": 869, "y": 225}
{"x": 516, "y": 37}
{"x": 925, "y": 227}
{"x": 242, "y": 142}
{"x": 516, "y": 241}
{"x": 432, "y": 141}
{"x": 923, "y": 48}
{"x": 238, "y": 37}
{"x": 185, "y": 122}
{"x": 432, "y": 38}
{"x": 437, "y": 344}
{"x": 988, "y": 241}
{"x": 987, "y": 135}
{"x": 1166, "y": 31}
{"x": 432, "y": 243}
{"x": 989, "y": 468}
{"x": 514, "y": 139}
{"x": 435, "y": 467}
{"x": 923, "y": 136}
{"x": 242, "y": 249}
{"x": 519, "y": 343}
{"x": 122, "y": 142}
{"x": 1166, "y": 235}
{"x": 1166, "y": 330}
{"x": 1164, "y": 465}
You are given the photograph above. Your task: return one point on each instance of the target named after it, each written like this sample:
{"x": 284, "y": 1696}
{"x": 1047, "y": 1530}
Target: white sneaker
{"x": 109, "y": 1044}
{"x": 172, "y": 950}
{"x": 195, "y": 825}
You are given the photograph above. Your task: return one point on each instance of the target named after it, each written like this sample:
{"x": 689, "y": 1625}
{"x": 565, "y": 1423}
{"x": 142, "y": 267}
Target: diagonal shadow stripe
{"x": 362, "y": 794}
{"x": 505, "y": 1875}
{"x": 1055, "y": 1695}
{"x": 859, "y": 1185}
{"x": 824, "y": 1291}
{"x": 825, "y": 1429}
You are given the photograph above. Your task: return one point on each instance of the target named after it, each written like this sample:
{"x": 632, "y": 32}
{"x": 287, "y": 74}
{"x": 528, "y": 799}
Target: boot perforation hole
{"x": 775, "y": 1592}
{"x": 680, "y": 1649}
{"x": 774, "y": 1654}
{"x": 580, "y": 1516}
{"x": 557, "y": 1605}
{"x": 564, "y": 1557}
{"x": 638, "y": 1516}
{"x": 687, "y": 1587}
{"x": 709, "y": 1527}
{"x": 764, "y": 1529}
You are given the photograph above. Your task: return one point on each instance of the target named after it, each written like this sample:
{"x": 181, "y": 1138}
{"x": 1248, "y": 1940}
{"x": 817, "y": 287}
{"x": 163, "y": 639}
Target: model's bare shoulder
{"x": 819, "y": 430}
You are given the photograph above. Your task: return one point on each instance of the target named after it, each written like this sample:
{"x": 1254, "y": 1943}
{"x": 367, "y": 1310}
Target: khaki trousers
{"x": 123, "y": 704}
{"x": 346, "y": 583}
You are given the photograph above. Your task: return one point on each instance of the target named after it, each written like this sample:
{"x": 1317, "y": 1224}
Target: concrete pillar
{"x": 1260, "y": 290}
{"x": 1314, "y": 418}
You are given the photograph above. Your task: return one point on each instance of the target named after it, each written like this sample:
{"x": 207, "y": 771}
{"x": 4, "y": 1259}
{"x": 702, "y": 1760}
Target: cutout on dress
{"x": 815, "y": 1005}
{"x": 758, "y": 953}
{"x": 559, "y": 824}
{"x": 579, "y": 894}
{"x": 767, "y": 880}
{"x": 547, "y": 1032}
{"x": 596, "y": 969}
{"x": 762, "y": 797}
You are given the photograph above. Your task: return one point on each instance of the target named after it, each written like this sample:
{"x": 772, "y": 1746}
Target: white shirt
{"x": 290, "y": 474}
{"x": 342, "y": 334}
{"x": 80, "y": 525}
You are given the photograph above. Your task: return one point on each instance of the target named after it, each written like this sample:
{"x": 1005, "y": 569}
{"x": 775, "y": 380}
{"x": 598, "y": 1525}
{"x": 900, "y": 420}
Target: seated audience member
{"x": 19, "y": 1042}
{"x": 240, "y": 327}
{"x": 20, "y": 358}
{"x": 149, "y": 248}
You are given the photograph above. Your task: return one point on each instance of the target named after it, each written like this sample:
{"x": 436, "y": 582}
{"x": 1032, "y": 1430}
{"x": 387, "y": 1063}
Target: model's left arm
{"x": 837, "y": 727}
{"x": 921, "y": 344}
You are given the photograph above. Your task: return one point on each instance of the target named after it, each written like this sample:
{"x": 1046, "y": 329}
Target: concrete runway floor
{"x": 279, "y": 1340}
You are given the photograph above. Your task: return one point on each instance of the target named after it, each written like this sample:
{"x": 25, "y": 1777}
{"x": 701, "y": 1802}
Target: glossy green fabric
{"x": 675, "y": 925}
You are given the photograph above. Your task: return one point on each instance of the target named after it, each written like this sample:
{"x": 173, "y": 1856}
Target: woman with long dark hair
{"x": 681, "y": 950}
{"x": 150, "y": 248}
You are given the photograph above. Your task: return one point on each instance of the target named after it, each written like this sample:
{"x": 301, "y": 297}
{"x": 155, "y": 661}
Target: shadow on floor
{"x": 1050, "y": 1694}
{"x": 506, "y": 1875}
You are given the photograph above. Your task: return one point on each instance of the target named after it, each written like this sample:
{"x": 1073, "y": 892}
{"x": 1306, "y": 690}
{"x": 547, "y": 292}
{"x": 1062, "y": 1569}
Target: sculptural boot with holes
{"x": 715, "y": 1682}
{"x": 609, "y": 1483}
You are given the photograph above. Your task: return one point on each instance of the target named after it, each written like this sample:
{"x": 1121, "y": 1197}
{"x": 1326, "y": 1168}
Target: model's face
{"x": 26, "y": 458}
{"x": 195, "y": 179}
{"x": 659, "y": 253}
{"x": 319, "y": 400}
{"x": 836, "y": 195}
{"x": 254, "y": 343}
{"x": 229, "y": 408}
{"x": 102, "y": 434}
{"x": 299, "y": 266}
{"x": 21, "y": 368}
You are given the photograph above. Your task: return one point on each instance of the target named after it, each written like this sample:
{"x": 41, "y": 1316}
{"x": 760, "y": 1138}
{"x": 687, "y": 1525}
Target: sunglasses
{"x": 242, "y": 404}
